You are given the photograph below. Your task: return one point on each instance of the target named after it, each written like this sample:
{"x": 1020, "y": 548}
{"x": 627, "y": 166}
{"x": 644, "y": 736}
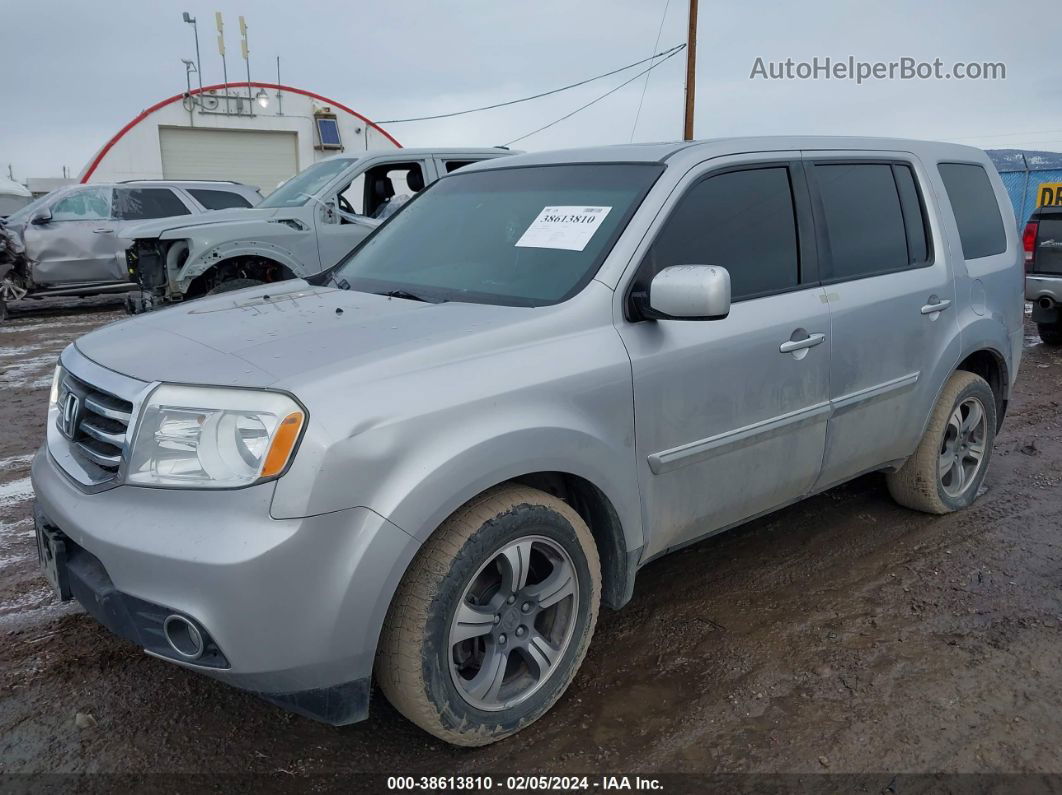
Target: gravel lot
{"x": 844, "y": 634}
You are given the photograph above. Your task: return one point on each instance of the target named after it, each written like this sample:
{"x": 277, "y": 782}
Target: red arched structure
{"x": 219, "y": 87}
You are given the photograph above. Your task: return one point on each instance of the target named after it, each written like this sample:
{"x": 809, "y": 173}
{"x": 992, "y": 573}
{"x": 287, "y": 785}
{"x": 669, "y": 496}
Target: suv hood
{"x": 294, "y": 333}
{"x": 158, "y": 228}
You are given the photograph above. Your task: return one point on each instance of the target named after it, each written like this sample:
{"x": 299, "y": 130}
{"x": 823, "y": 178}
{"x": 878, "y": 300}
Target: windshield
{"x": 297, "y": 190}
{"x": 517, "y": 237}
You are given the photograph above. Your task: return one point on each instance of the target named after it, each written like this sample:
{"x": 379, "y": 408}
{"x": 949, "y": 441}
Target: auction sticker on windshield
{"x": 569, "y": 227}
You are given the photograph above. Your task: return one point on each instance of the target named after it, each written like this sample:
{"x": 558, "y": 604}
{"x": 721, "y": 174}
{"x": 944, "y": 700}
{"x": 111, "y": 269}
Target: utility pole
{"x": 198, "y": 64}
{"x": 691, "y": 72}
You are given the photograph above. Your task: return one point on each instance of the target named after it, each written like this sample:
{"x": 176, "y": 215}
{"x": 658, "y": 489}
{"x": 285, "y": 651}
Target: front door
{"x": 78, "y": 245}
{"x": 363, "y": 202}
{"x": 731, "y": 414}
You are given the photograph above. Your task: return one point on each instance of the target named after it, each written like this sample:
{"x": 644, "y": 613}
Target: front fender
{"x": 202, "y": 257}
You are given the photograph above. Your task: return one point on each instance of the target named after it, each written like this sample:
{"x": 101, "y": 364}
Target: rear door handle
{"x": 809, "y": 341}
{"x": 103, "y": 230}
{"x": 938, "y": 306}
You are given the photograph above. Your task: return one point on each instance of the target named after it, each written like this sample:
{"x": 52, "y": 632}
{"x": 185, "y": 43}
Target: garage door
{"x": 256, "y": 157}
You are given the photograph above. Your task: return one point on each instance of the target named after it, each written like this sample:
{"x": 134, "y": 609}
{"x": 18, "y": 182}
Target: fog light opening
{"x": 1046, "y": 303}
{"x": 183, "y": 637}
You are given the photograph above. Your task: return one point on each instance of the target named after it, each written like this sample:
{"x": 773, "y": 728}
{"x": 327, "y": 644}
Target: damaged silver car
{"x": 73, "y": 241}
{"x": 303, "y": 227}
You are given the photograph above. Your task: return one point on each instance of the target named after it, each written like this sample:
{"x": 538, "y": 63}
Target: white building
{"x": 13, "y": 196}
{"x": 256, "y": 133}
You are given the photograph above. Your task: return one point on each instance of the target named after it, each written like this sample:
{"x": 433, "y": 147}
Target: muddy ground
{"x": 844, "y": 634}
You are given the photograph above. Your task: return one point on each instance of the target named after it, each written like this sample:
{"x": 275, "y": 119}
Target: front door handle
{"x": 935, "y": 305}
{"x": 103, "y": 230}
{"x": 810, "y": 341}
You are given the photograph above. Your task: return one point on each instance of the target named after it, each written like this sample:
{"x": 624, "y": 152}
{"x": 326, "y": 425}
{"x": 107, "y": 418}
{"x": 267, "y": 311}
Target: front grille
{"x": 95, "y": 422}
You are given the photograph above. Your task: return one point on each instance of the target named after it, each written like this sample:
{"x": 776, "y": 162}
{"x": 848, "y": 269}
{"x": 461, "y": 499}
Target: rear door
{"x": 78, "y": 244}
{"x": 892, "y": 306}
{"x": 730, "y": 415}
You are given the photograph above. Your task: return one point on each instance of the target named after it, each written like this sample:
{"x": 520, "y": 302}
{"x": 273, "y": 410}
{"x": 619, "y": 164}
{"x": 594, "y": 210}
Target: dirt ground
{"x": 844, "y": 634}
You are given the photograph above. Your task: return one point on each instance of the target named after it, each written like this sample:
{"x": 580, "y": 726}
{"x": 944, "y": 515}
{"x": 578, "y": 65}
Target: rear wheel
{"x": 946, "y": 470}
{"x": 233, "y": 284}
{"x": 493, "y": 617}
{"x": 1050, "y": 333}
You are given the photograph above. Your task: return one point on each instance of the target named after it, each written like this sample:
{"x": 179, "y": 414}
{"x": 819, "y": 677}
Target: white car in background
{"x": 303, "y": 227}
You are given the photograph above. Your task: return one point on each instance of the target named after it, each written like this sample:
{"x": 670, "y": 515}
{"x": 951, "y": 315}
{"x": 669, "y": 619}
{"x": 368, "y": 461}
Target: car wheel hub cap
{"x": 962, "y": 453}
{"x": 514, "y": 623}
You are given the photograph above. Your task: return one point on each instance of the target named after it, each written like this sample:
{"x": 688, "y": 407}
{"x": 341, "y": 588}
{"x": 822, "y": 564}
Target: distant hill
{"x": 1024, "y": 159}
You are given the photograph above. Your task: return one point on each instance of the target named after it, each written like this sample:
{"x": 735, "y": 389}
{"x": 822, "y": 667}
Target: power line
{"x": 665, "y": 54}
{"x": 673, "y": 52}
{"x": 645, "y": 86}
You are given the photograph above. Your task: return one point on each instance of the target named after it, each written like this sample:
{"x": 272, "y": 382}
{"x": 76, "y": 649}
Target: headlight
{"x": 53, "y": 397}
{"x": 200, "y": 437}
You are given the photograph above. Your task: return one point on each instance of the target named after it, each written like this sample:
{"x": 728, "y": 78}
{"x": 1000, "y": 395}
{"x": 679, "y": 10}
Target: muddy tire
{"x": 234, "y": 284}
{"x": 1050, "y": 333}
{"x": 950, "y": 463}
{"x": 493, "y": 617}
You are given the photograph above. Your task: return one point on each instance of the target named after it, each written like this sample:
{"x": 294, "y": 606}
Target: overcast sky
{"x": 74, "y": 72}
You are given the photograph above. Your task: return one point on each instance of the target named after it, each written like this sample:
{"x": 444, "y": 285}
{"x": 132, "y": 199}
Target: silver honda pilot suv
{"x": 432, "y": 463}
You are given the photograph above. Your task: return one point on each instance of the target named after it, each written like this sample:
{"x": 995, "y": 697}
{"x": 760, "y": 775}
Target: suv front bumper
{"x": 289, "y": 609}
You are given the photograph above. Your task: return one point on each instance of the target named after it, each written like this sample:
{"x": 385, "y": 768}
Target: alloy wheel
{"x": 514, "y": 623}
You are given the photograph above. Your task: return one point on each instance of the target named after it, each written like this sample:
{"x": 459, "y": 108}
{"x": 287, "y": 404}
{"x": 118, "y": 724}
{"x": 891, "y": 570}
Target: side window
{"x": 90, "y": 204}
{"x": 351, "y": 199}
{"x": 140, "y": 204}
{"x": 453, "y": 165}
{"x": 976, "y": 211}
{"x": 914, "y": 215}
{"x": 864, "y": 219}
{"x": 744, "y": 221}
{"x": 218, "y": 199}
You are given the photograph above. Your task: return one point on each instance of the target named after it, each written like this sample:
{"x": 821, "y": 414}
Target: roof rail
{"x": 220, "y": 181}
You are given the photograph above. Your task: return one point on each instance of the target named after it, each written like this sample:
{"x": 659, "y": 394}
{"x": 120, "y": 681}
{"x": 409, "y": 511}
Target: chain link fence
{"x": 1023, "y": 173}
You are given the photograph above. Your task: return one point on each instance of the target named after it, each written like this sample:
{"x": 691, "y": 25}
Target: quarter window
{"x": 743, "y": 221}
{"x": 976, "y": 211}
{"x": 864, "y": 219}
{"x": 218, "y": 199}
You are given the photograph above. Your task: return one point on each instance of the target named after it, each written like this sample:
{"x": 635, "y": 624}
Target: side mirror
{"x": 687, "y": 292}
{"x": 41, "y": 217}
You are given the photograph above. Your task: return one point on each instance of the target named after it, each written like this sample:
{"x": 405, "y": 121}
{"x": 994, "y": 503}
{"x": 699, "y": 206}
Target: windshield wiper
{"x": 408, "y": 296}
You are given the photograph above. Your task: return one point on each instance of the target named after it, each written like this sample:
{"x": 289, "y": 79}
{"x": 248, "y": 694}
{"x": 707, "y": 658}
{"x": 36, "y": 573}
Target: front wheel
{"x": 1050, "y": 333}
{"x": 946, "y": 470}
{"x": 493, "y": 617}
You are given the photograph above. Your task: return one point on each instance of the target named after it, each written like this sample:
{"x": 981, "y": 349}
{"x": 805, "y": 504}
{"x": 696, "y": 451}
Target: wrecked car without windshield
{"x": 303, "y": 227}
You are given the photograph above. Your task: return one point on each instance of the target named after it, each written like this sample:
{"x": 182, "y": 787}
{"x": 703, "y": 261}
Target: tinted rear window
{"x": 218, "y": 199}
{"x": 1049, "y": 246}
{"x": 976, "y": 212}
{"x": 864, "y": 219}
{"x": 140, "y": 204}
